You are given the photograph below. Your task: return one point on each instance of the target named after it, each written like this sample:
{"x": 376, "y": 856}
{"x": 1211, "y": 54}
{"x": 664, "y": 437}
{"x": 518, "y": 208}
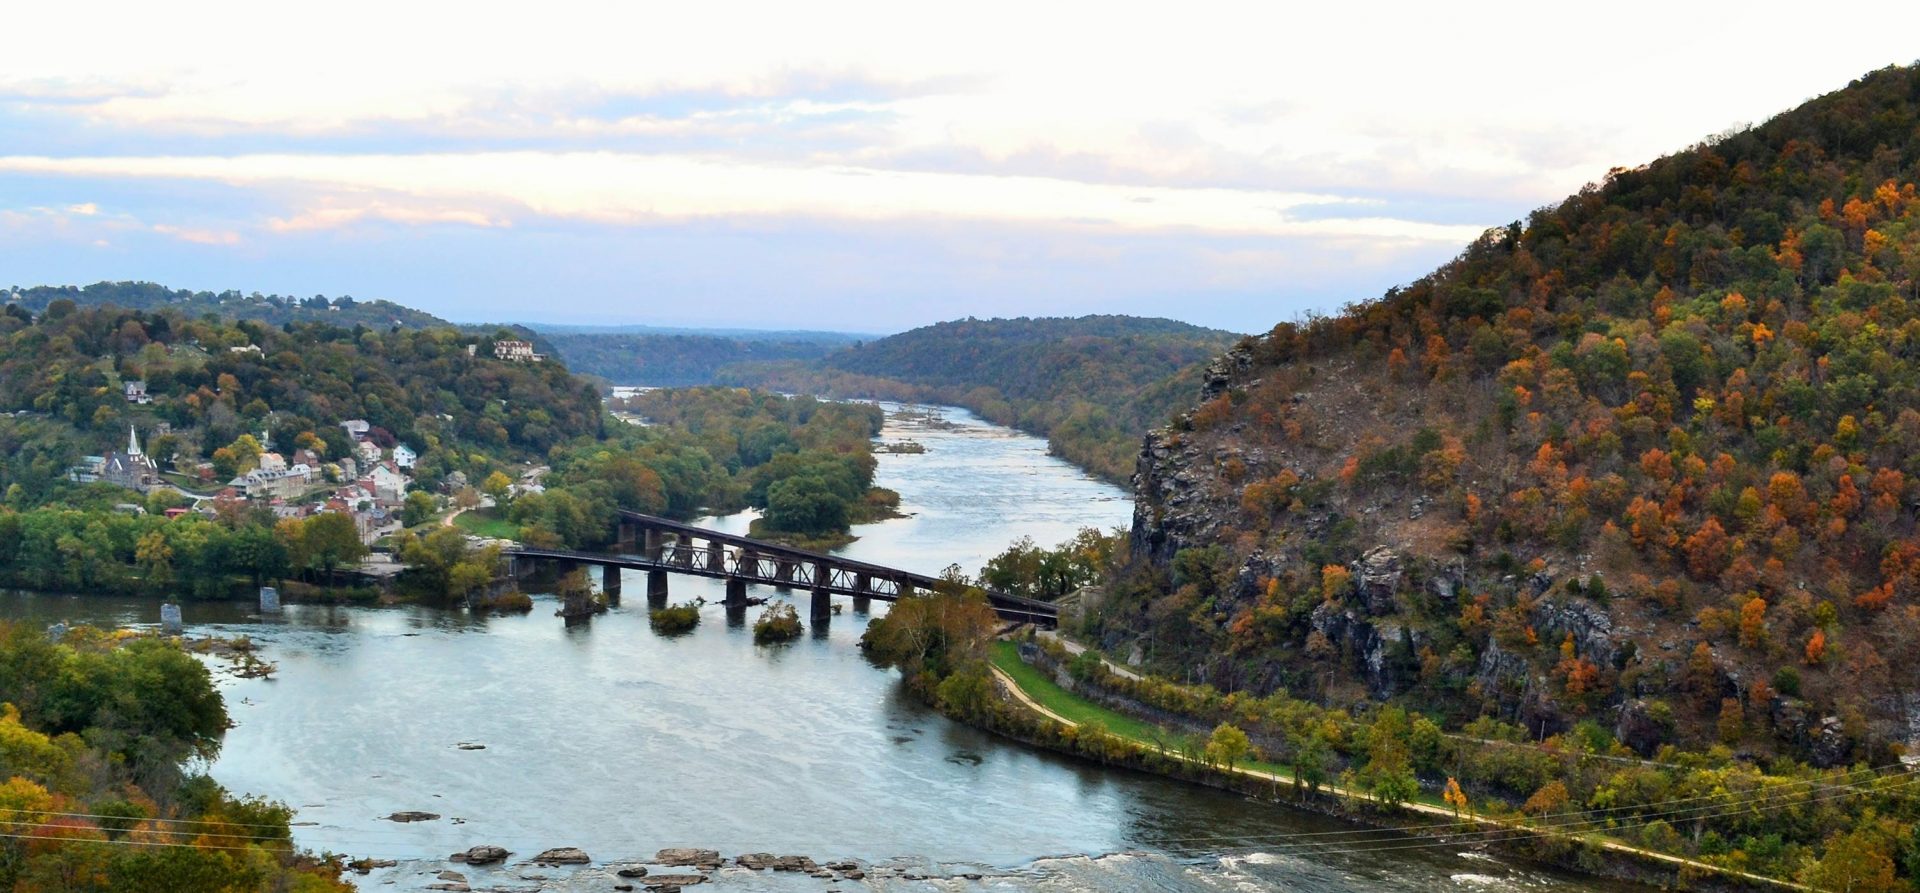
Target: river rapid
{"x": 528, "y": 733}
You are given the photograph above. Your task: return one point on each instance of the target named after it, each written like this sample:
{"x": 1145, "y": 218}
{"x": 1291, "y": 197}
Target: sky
{"x": 862, "y": 167}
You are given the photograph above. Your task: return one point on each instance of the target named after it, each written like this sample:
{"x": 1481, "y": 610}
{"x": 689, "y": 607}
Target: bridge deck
{"x": 773, "y": 564}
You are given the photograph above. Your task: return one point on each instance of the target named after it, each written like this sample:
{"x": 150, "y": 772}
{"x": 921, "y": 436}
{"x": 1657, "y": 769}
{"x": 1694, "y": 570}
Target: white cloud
{"x": 635, "y": 189}
{"x": 198, "y": 235}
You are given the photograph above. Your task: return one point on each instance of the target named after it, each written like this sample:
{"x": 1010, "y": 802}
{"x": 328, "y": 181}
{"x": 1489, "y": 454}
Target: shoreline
{"x": 1587, "y": 853}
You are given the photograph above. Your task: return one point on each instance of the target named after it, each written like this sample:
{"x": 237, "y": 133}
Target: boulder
{"x": 1447, "y": 582}
{"x": 673, "y": 881}
{"x": 563, "y": 855}
{"x": 632, "y": 871}
{"x": 484, "y": 854}
{"x": 688, "y": 856}
{"x": 411, "y": 816}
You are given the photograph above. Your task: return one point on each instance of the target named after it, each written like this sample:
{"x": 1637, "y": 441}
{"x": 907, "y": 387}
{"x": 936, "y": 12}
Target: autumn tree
{"x": 1552, "y": 797}
{"x": 1707, "y": 550}
{"x": 1753, "y": 622}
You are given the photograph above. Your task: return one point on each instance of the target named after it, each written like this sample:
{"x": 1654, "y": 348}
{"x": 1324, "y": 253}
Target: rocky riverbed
{"x": 492, "y": 869}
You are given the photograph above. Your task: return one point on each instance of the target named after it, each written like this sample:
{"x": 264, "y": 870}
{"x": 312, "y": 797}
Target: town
{"x": 370, "y": 484}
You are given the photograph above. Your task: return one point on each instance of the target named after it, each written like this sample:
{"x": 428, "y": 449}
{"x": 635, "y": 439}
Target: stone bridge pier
{"x": 610, "y": 583}
{"x": 822, "y": 598}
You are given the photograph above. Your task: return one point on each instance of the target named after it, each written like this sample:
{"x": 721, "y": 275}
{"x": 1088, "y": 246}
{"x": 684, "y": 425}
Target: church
{"x": 133, "y": 469}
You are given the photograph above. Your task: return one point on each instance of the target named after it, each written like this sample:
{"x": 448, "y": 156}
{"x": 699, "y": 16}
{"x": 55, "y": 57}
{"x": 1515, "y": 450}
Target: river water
{"x": 611, "y": 738}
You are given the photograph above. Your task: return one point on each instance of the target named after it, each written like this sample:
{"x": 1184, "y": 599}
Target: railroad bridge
{"x": 662, "y": 546}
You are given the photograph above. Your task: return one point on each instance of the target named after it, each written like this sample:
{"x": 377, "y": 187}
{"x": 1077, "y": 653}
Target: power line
{"x": 1610, "y": 810}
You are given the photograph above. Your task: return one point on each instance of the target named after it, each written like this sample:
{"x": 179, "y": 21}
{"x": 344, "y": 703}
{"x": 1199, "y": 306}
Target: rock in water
{"x": 684, "y": 856}
{"x": 563, "y": 855}
{"x": 411, "y": 816}
{"x": 485, "y": 854}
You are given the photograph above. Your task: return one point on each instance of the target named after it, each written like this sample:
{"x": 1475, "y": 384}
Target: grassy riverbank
{"x": 1032, "y": 687}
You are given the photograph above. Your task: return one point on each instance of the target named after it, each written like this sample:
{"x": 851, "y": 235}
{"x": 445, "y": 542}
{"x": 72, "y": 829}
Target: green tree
{"x": 1228, "y": 745}
{"x": 419, "y": 509}
{"x": 331, "y": 539}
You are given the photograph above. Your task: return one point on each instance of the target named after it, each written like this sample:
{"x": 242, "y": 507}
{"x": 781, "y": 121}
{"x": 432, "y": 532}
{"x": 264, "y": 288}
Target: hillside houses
{"x": 372, "y": 482}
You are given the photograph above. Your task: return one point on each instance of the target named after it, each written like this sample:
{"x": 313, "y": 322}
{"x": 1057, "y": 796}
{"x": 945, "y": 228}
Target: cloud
{"x": 337, "y": 217}
{"x": 627, "y": 189}
{"x": 198, "y": 236}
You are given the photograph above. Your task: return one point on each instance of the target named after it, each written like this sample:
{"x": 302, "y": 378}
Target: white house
{"x": 357, "y": 429}
{"x": 136, "y": 392}
{"x": 368, "y": 451}
{"x": 273, "y": 462}
{"x": 388, "y": 481}
{"x": 404, "y": 456}
{"x": 516, "y": 351}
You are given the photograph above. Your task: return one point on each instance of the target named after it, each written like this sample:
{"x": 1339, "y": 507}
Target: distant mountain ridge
{"x": 1092, "y": 385}
{"x": 230, "y": 304}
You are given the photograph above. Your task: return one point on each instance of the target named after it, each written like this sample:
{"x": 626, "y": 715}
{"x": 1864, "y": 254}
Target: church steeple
{"x": 133, "y": 441}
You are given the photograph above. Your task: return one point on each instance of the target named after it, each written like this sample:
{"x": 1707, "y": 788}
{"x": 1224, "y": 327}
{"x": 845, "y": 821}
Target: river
{"x": 611, "y": 738}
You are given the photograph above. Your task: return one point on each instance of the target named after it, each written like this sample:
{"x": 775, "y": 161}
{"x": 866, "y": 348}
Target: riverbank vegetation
{"x": 1092, "y": 386}
{"x": 445, "y": 567}
{"x": 88, "y": 546}
{"x": 94, "y": 730}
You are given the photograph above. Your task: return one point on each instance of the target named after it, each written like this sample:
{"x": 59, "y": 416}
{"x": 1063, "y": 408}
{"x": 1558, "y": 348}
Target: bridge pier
{"x": 654, "y": 545}
{"x": 749, "y": 563}
{"x": 783, "y": 569}
{"x": 862, "y": 605}
{"x": 683, "y": 550}
{"x": 610, "y": 583}
{"x": 623, "y": 540}
{"x": 736, "y": 591}
{"x": 716, "y": 556}
{"x": 657, "y": 589}
{"x": 822, "y": 606}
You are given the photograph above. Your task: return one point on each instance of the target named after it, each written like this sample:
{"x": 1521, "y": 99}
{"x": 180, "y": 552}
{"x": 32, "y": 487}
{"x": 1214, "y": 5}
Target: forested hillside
{"x": 1091, "y": 385}
{"x": 64, "y": 372}
{"x": 230, "y": 304}
{"x": 1649, "y": 458}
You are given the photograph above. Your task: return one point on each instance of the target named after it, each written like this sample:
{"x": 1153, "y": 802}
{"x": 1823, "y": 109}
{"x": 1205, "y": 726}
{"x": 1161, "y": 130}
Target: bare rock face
{"x": 1591, "y": 627}
{"x": 1377, "y": 575}
{"x": 1637, "y": 727}
{"x": 564, "y": 855}
{"x": 1830, "y": 746}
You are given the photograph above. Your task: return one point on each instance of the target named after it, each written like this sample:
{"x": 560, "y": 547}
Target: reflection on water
{"x": 527, "y": 733}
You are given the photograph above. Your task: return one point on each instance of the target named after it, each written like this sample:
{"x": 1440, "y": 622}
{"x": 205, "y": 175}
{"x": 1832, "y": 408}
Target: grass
{"x": 1041, "y": 687}
{"x": 486, "y": 522}
{"x": 1037, "y": 685}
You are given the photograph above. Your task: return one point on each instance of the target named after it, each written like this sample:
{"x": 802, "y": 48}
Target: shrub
{"x": 778, "y": 623}
{"x": 675, "y": 619}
